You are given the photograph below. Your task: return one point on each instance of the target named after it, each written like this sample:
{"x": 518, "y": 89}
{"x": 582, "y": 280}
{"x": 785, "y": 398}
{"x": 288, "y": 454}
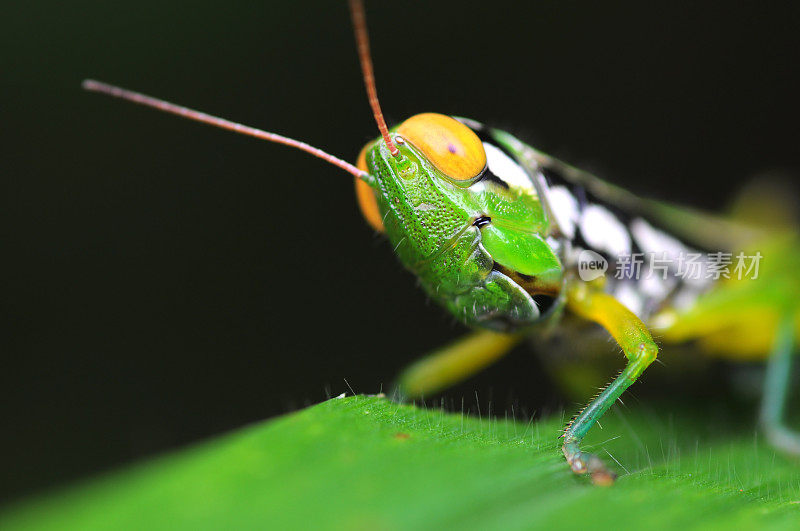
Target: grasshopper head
{"x": 460, "y": 214}
{"x": 448, "y": 145}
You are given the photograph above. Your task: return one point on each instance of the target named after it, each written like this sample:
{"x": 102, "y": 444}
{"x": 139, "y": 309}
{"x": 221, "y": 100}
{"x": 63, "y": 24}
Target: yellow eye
{"x": 366, "y": 196}
{"x": 450, "y": 145}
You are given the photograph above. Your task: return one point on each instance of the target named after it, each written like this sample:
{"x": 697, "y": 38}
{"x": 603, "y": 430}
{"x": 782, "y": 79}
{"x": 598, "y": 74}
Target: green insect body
{"x": 494, "y": 230}
{"x": 470, "y": 239}
{"x": 452, "y": 237}
{"x": 485, "y": 252}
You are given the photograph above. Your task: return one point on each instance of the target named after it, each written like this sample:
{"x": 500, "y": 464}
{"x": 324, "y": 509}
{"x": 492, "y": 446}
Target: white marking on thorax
{"x": 663, "y": 245}
{"x": 652, "y": 240}
{"x": 602, "y": 230}
{"x": 506, "y": 168}
{"x": 565, "y": 209}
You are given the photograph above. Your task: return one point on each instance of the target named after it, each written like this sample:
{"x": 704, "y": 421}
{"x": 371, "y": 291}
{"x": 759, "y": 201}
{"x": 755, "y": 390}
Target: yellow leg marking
{"x": 627, "y": 330}
{"x": 640, "y": 349}
{"x": 455, "y": 362}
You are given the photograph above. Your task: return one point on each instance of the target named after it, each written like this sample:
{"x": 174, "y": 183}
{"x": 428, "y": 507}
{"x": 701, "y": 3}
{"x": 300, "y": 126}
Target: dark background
{"x": 166, "y": 281}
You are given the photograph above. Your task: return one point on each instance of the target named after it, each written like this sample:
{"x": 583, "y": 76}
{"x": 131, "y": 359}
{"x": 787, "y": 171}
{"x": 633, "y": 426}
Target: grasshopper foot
{"x": 586, "y": 463}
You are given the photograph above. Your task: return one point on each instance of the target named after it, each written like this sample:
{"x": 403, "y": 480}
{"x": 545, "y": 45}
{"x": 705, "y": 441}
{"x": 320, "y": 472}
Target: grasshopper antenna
{"x": 362, "y": 41}
{"x": 103, "y": 88}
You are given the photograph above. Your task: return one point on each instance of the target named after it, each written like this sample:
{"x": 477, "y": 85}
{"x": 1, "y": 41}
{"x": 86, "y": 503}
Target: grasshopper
{"x": 512, "y": 242}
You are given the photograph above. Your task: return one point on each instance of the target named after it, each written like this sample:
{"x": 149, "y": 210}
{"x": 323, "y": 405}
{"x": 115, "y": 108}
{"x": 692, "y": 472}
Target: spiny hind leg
{"x": 453, "y": 363}
{"x": 776, "y": 390}
{"x": 640, "y": 349}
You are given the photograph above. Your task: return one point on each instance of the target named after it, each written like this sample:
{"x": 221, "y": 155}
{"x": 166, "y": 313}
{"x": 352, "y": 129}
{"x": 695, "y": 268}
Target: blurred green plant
{"x": 367, "y": 463}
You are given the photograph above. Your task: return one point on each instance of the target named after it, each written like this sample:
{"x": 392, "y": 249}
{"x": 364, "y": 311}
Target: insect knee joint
{"x": 647, "y": 352}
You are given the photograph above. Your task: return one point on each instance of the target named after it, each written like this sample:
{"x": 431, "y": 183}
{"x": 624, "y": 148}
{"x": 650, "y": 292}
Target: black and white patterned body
{"x": 648, "y": 268}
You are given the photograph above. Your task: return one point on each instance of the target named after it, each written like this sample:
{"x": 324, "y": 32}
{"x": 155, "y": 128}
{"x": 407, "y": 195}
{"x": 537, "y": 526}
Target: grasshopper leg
{"x": 776, "y": 390}
{"x": 454, "y": 363}
{"x": 640, "y": 349}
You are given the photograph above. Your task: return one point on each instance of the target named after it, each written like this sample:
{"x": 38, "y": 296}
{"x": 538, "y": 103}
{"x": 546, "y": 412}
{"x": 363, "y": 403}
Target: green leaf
{"x": 367, "y": 463}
